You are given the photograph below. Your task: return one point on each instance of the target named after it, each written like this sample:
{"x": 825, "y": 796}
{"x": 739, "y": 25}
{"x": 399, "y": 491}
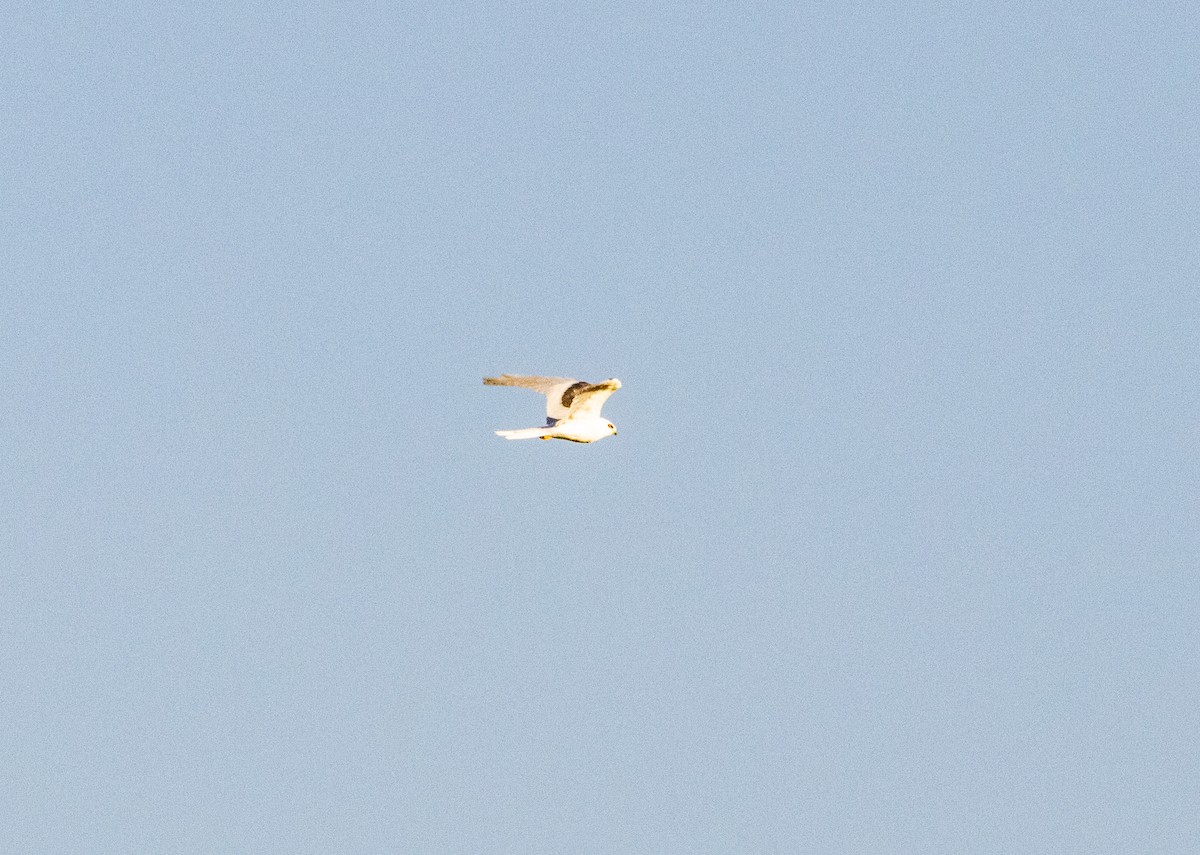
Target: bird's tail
{"x": 524, "y": 433}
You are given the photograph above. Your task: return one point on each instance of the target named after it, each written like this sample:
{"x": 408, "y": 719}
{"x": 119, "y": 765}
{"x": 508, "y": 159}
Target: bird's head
{"x": 612, "y": 429}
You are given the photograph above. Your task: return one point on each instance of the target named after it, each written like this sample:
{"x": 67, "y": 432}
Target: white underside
{"x": 575, "y": 430}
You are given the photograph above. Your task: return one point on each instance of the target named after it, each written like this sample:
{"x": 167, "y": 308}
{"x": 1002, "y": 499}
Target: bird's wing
{"x": 586, "y": 399}
{"x": 556, "y": 390}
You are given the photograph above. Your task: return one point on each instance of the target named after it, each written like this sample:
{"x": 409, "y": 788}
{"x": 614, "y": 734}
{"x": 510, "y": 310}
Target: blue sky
{"x": 896, "y": 550}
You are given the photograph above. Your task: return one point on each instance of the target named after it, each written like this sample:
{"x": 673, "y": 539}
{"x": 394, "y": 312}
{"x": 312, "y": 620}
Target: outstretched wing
{"x": 588, "y": 398}
{"x": 558, "y": 390}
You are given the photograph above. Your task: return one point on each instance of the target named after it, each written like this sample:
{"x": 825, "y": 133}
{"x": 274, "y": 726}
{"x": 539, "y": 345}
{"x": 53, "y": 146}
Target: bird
{"x": 572, "y": 407}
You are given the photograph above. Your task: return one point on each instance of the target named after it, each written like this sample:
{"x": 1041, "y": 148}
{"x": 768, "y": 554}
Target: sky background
{"x": 896, "y": 551}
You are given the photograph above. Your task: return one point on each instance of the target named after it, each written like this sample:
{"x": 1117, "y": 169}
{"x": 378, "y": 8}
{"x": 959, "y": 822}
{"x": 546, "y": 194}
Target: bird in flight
{"x": 572, "y": 407}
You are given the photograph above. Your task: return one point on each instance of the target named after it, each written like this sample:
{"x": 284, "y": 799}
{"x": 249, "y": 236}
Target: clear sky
{"x": 896, "y": 551}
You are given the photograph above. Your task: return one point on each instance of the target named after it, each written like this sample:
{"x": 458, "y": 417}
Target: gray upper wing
{"x": 556, "y": 389}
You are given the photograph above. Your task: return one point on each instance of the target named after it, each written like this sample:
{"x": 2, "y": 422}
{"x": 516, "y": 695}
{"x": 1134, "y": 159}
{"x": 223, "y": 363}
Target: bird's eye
{"x": 610, "y": 427}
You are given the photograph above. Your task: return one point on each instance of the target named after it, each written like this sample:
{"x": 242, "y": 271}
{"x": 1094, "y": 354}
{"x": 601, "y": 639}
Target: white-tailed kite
{"x": 572, "y": 407}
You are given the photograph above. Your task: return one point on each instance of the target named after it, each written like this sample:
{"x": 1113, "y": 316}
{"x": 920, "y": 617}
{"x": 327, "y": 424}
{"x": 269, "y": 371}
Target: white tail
{"x": 523, "y": 433}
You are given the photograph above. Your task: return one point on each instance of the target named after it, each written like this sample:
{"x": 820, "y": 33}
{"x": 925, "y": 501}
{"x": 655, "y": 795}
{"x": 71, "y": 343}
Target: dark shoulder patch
{"x": 571, "y": 391}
